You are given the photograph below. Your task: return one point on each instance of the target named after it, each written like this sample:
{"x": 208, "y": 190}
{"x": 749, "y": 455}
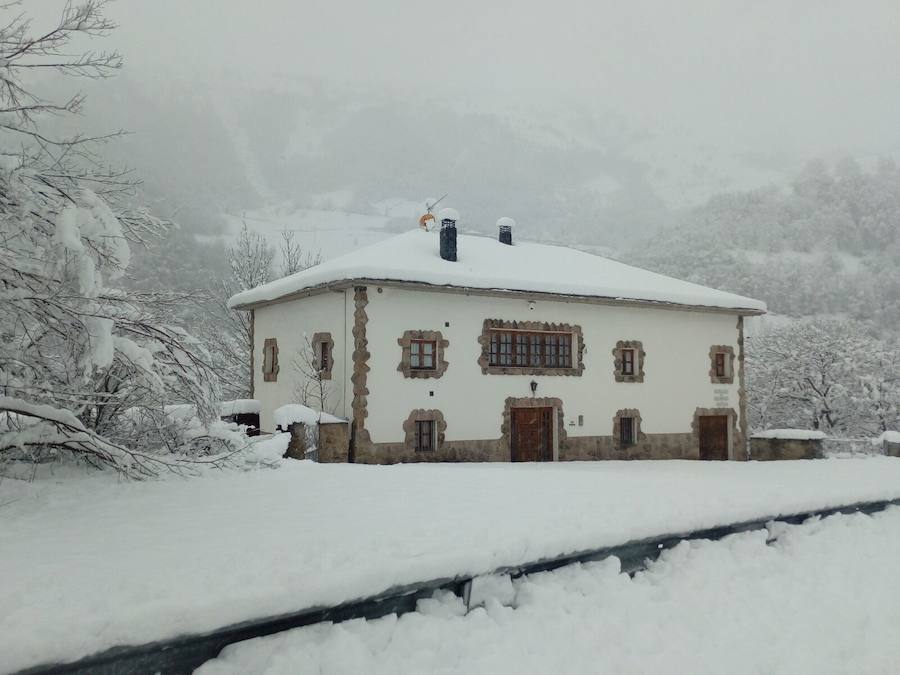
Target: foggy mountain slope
{"x": 347, "y": 166}
{"x": 827, "y": 244}
{"x": 206, "y": 148}
{"x": 176, "y": 145}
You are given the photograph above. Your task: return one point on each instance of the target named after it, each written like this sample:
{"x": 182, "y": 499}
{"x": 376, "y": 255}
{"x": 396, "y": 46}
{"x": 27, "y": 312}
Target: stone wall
{"x": 650, "y": 446}
{"x": 450, "y": 451}
{"x": 334, "y": 442}
{"x": 297, "y": 445}
{"x": 765, "y": 449}
{"x": 572, "y": 448}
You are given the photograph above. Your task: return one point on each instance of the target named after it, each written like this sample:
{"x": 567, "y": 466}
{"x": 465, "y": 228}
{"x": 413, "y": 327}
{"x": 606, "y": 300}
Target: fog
{"x": 644, "y": 130}
{"x": 799, "y": 77}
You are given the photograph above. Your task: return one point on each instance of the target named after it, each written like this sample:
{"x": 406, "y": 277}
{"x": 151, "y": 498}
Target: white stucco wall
{"x": 676, "y": 367}
{"x": 289, "y": 322}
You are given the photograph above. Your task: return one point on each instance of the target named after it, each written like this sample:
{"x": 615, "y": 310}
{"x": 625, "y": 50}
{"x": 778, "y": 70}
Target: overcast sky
{"x": 819, "y": 74}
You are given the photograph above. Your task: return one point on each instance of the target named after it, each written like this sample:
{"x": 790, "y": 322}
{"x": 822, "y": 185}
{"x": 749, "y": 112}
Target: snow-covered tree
{"x": 880, "y": 391}
{"x": 828, "y": 244}
{"x": 294, "y": 258}
{"x": 230, "y": 333}
{"x": 85, "y": 367}
{"x": 829, "y": 374}
{"x": 252, "y": 263}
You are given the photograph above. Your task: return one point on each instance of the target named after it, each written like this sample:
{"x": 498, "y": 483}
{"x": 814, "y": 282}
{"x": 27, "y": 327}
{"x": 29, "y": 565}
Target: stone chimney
{"x": 448, "y": 218}
{"x": 505, "y": 226}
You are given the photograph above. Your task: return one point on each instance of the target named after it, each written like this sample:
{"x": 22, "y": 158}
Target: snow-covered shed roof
{"x": 486, "y": 264}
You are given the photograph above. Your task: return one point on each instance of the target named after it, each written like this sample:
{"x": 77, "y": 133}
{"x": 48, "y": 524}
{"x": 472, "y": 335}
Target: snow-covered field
{"x": 823, "y": 598}
{"x": 94, "y": 562}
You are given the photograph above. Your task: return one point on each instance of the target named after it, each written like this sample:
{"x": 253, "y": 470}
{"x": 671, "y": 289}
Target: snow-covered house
{"x": 444, "y": 347}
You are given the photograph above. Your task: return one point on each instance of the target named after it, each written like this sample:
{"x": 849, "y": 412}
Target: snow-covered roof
{"x": 287, "y": 414}
{"x": 484, "y": 263}
{"x": 889, "y": 437}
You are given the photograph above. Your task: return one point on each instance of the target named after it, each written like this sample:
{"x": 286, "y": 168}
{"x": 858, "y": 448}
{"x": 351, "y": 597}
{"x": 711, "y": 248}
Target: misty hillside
{"x": 828, "y": 243}
{"x": 205, "y": 151}
{"x": 346, "y": 166}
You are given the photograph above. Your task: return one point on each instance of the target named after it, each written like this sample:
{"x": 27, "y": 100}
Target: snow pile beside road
{"x": 87, "y": 565}
{"x": 824, "y": 598}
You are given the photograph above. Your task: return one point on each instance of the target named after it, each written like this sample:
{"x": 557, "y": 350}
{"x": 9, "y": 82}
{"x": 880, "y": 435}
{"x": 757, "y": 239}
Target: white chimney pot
{"x": 448, "y": 214}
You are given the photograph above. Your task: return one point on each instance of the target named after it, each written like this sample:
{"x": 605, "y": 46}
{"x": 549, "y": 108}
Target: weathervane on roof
{"x": 428, "y": 216}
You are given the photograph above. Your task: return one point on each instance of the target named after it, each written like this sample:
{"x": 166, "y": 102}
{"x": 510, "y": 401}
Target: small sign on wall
{"x": 721, "y": 397}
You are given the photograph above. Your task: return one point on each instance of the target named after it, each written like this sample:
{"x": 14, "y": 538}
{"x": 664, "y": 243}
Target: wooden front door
{"x": 713, "y": 436}
{"x": 531, "y": 437}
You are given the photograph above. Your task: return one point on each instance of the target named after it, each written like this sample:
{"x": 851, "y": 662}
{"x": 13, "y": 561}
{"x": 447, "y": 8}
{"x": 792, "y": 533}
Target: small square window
{"x": 626, "y": 430}
{"x": 424, "y": 441}
{"x": 421, "y": 354}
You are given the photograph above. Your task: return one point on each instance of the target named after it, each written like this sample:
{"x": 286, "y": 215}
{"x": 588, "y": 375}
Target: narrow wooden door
{"x": 714, "y": 437}
{"x": 531, "y": 438}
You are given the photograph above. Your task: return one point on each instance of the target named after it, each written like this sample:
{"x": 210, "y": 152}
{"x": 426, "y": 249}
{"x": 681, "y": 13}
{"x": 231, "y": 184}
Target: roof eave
{"x": 344, "y": 284}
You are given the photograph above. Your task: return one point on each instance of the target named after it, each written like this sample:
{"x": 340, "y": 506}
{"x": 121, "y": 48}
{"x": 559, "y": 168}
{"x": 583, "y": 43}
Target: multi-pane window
{"x": 424, "y": 437}
{"x": 628, "y": 362}
{"x": 720, "y": 365}
{"x": 421, "y": 354}
{"x": 626, "y": 430}
{"x": 527, "y": 349}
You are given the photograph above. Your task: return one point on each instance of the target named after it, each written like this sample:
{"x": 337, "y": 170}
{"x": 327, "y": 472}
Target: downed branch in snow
{"x": 60, "y": 429}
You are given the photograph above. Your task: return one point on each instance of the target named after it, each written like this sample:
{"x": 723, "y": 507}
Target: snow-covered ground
{"x": 94, "y": 562}
{"x": 823, "y": 598}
